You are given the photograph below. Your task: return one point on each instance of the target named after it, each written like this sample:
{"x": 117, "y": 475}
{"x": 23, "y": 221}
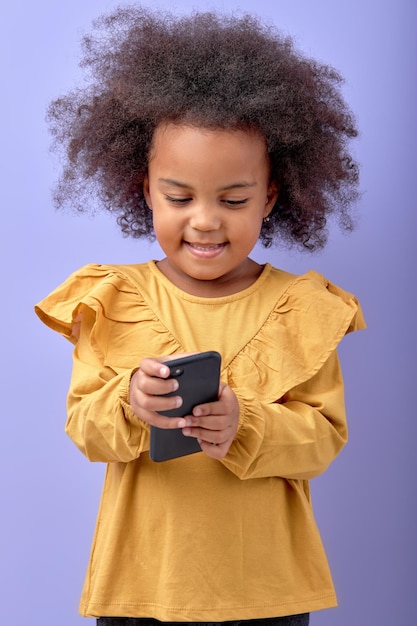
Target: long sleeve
{"x": 100, "y": 420}
{"x": 296, "y": 437}
{"x": 100, "y": 310}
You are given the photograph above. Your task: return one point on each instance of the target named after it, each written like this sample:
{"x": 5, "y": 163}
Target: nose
{"x": 205, "y": 218}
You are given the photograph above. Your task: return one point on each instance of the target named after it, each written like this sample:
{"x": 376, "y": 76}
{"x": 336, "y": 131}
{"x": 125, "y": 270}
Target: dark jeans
{"x": 291, "y": 620}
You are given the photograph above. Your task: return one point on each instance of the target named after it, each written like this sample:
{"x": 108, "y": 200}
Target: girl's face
{"x": 209, "y": 192}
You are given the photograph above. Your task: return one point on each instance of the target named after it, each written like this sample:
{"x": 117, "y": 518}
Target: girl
{"x": 206, "y": 132}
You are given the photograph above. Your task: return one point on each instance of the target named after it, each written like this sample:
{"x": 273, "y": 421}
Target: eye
{"x": 233, "y": 203}
{"x": 177, "y": 200}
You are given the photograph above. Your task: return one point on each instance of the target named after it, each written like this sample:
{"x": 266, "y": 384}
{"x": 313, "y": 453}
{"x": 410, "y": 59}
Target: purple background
{"x": 49, "y": 492}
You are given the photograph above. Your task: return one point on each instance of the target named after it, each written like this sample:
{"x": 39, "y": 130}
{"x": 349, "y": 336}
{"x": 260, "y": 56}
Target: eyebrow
{"x": 177, "y": 183}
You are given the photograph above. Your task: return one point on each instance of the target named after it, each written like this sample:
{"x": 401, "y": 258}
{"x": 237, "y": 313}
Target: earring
{"x": 266, "y": 219}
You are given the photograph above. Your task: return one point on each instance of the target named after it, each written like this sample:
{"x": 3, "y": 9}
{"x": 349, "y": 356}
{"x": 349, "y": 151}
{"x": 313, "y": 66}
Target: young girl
{"x": 206, "y": 132}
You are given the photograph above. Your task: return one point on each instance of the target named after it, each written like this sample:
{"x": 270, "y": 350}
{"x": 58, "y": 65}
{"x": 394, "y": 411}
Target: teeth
{"x": 212, "y": 247}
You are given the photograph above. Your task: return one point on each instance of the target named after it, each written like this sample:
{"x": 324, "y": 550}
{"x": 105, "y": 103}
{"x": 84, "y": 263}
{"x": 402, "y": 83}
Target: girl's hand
{"x": 147, "y": 386}
{"x": 215, "y": 424}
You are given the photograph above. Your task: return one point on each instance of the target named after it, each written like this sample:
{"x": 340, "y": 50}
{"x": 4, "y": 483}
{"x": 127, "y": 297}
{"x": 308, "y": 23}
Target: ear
{"x": 146, "y": 192}
{"x": 271, "y": 198}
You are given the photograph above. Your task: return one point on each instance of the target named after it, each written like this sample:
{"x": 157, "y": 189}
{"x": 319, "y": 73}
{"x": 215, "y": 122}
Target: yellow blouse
{"x": 196, "y": 539}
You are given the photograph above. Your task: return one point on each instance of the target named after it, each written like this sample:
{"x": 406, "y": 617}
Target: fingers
{"x": 215, "y": 451}
{"x": 147, "y": 394}
{"x": 209, "y": 435}
{"x": 152, "y": 385}
{"x": 154, "y": 367}
{"x": 215, "y": 424}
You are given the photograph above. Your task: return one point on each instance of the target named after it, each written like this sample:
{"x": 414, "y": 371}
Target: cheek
{"x": 255, "y": 227}
{"x": 165, "y": 223}
{"x": 245, "y": 233}
{"x": 158, "y": 224}
{"x": 251, "y": 223}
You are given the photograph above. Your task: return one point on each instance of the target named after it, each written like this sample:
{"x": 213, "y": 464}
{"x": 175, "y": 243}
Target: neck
{"x": 238, "y": 280}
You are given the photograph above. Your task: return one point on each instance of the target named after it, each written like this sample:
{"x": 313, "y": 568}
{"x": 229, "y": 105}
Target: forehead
{"x": 180, "y": 144}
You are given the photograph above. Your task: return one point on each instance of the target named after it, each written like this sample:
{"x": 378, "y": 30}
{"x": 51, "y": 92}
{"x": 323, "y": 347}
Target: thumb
{"x": 222, "y": 387}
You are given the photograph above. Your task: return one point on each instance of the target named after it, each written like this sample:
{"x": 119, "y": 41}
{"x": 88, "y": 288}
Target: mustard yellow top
{"x": 196, "y": 539}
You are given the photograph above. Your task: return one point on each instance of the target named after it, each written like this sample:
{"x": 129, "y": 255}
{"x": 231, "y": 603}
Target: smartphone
{"x": 198, "y": 377}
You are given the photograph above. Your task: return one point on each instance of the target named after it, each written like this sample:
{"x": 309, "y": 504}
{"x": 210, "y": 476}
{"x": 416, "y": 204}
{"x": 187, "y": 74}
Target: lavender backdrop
{"x": 49, "y": 492}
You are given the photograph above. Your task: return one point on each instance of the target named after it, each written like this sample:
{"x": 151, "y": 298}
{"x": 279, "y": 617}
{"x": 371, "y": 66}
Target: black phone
{"x": 198, "y": 377}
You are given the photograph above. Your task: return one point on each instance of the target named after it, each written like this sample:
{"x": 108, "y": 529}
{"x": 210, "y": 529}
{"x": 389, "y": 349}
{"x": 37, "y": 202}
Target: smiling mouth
{"x": 205, "y": 251}
{"x": 202, "y": 246}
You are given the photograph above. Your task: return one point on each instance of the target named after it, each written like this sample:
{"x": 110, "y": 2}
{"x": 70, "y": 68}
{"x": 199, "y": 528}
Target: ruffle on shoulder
{"x": 304, "y": 328}
{"x": 114, "y": 297}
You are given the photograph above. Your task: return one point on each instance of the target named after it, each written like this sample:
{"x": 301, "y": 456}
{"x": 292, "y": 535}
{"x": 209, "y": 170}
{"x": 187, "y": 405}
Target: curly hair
{"x": 214, "y": 71}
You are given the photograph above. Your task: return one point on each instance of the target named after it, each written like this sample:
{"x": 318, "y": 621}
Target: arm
{"x": 297, "y": 437}
{"x": 100, "y": 421}
{"x": 109, "y": 412}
